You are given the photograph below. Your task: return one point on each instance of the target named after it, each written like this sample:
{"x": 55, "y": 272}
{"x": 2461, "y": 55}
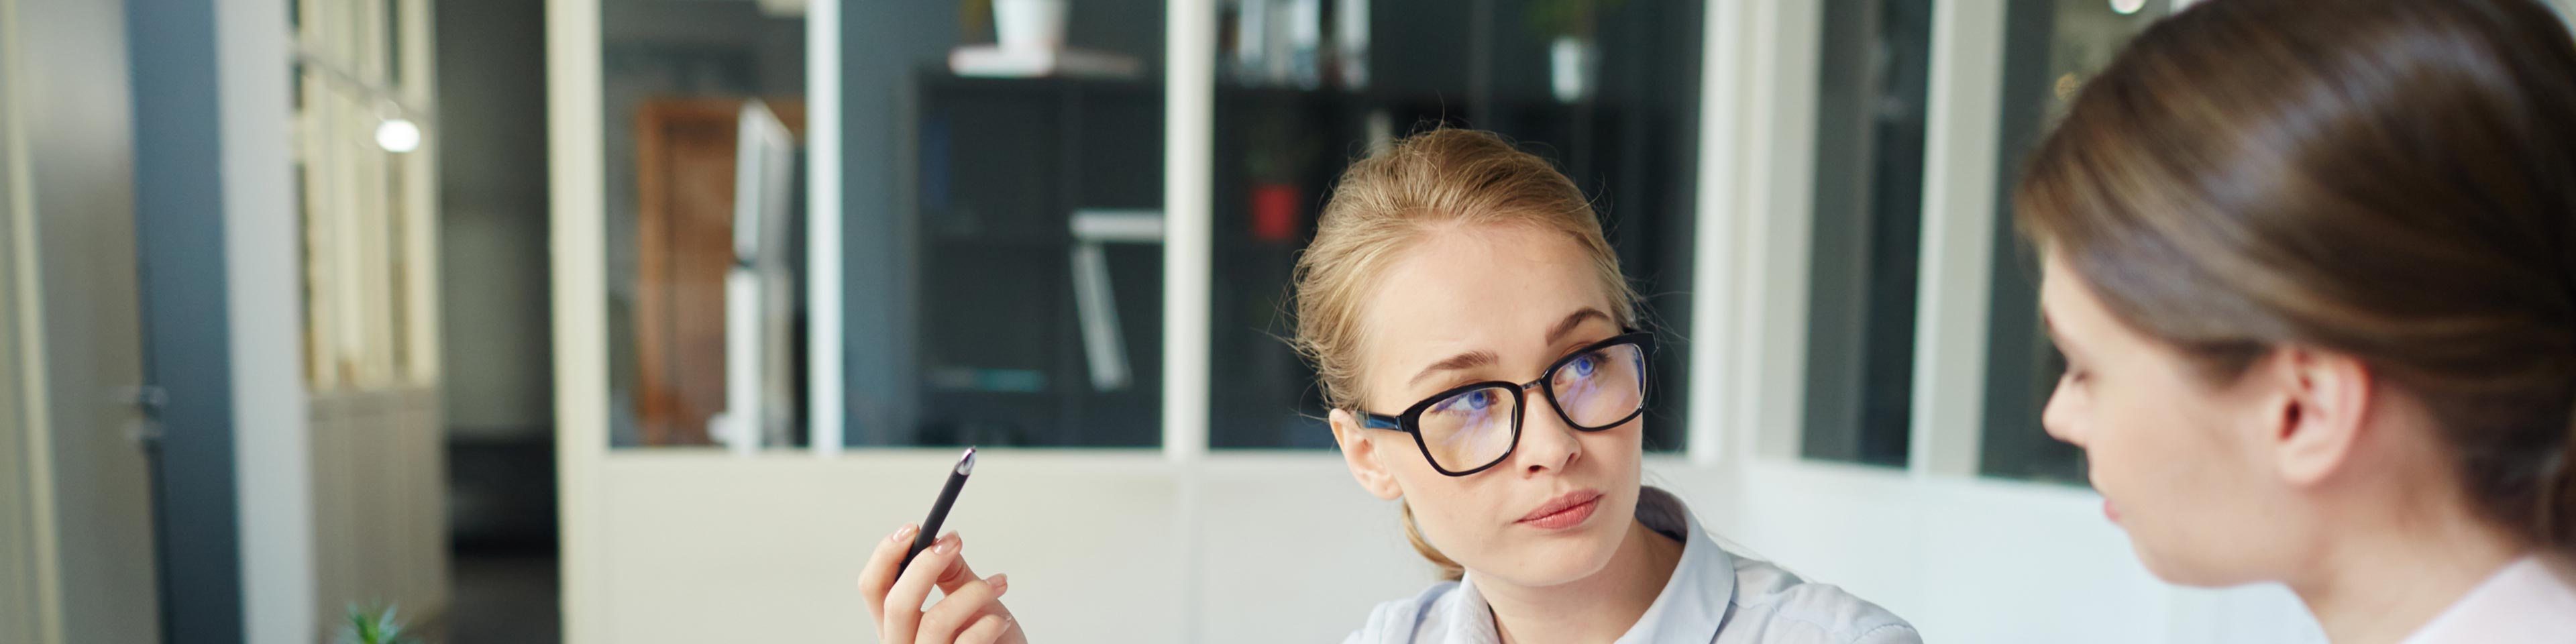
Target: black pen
{"x": 939, "y": 509}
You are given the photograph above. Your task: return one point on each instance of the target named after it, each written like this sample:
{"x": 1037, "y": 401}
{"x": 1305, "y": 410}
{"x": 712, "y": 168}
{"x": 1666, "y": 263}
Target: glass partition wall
{"x": 999, "y": 247}
{"x": 976, "y": 305}
{"x": 1000, "y": 220}
{"x": 1606, "y": 89}
{"x": 2051, "y": 48}
{"x": 695, "y": 96}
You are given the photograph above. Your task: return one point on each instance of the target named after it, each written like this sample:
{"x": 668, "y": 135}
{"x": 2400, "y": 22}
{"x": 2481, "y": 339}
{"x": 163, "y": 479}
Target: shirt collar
{"x": 1690, "y": 609}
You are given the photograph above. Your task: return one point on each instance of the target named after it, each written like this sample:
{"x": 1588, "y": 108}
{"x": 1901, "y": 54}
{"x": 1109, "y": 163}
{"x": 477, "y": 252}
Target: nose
{"x": 1547, "y": 443}
{"x": 2059, "y": 417}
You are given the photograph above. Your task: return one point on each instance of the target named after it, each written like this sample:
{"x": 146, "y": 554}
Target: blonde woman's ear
{"x": 1359, "y": 451}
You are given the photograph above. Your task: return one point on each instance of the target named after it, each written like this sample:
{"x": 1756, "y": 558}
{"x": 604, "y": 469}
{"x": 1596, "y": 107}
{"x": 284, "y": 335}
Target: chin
{"x": 1549, "y": 560}
{"x": 2179, "y": 568}
{"x": 1563, "y": 563}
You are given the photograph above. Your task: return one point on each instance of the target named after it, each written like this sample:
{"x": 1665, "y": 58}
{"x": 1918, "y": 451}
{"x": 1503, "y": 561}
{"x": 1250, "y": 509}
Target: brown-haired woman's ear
{"x": 2325, "y": 400}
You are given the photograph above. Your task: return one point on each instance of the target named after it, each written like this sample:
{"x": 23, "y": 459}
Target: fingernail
{"x": 1009, "y": 623}
{"x": 1000, "y": 582}
{"x": 949, "y": 543}
{"x": 901, "y": 533}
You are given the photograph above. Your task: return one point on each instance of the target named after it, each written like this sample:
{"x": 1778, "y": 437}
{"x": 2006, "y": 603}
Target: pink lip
{"x": 2109, "y": 511}
{"x": 1564, "y": 511}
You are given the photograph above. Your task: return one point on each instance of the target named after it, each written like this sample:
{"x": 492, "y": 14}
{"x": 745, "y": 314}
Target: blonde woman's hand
{"x": 969, "y": 612}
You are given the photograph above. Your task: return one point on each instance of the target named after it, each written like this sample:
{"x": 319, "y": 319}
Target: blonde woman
{"x": 2313, "y": 267}
{"x": 1481, "y": 353}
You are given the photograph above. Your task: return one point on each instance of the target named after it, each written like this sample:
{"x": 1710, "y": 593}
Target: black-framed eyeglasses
{"x": 1466, "y": 429}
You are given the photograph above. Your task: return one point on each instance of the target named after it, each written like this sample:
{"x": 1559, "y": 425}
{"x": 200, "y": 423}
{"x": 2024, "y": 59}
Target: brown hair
{"x": 1386, "y": 202}
{"x": 2390, "y": 179}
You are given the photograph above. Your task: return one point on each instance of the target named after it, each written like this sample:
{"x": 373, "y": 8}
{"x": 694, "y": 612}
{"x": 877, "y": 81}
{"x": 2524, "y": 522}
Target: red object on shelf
{"x": 1274, "y": 212}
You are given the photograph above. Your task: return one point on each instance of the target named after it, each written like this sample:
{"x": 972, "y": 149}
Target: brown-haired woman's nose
{"x": 2059, "y": 417}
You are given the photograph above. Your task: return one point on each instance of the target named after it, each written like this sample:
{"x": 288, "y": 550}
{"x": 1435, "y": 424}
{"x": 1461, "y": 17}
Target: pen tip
{"x": 966, "y": 465}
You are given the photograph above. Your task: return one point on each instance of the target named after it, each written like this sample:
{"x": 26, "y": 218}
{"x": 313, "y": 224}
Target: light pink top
{"x": 2530, "y": 601}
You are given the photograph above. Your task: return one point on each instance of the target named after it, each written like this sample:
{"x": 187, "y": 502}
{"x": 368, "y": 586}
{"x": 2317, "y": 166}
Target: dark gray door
{"x": 78, "y": 481}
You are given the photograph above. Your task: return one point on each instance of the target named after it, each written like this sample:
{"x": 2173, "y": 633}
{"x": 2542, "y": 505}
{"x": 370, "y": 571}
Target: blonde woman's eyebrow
{"x": 1480, "y": 358}
{"x": 1460, "y": 362}
{"x": 1574, "y": 321}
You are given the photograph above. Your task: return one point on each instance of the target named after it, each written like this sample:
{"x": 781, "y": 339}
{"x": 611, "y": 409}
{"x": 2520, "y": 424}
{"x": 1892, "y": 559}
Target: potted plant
{"x": 1281, "y": 149}
{"x": 1029, "y": 25}
{"x": 374, "y": 627}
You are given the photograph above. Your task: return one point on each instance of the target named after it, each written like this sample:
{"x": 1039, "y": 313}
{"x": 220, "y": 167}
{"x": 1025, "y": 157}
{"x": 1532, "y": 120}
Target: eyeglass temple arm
{"x": 1381, "y": 421}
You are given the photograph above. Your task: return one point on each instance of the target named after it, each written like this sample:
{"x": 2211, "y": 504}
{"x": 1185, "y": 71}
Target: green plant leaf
{"x": 368, "y": 626}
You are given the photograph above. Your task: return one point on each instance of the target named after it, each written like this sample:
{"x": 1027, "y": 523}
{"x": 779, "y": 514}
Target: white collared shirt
{"x": 2528, "y": 602}
{"x": 1714, "y": 597}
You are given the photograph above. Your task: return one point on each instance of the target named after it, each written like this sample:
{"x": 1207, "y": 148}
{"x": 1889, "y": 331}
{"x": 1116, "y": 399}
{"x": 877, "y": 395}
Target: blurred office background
{"x": 641, "y": 320}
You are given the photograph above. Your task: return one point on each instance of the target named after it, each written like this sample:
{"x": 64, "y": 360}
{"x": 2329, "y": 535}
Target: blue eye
{"x": 1584, "y": 366}
{"x": 1478, "y": 400}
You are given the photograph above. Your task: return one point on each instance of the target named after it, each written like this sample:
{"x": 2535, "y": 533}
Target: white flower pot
{"x": 1029, "y": 25}
{"x": 1570, "y": 68}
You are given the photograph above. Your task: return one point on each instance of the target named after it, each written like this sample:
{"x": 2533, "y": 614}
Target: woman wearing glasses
{"x": 2313, "y": 267}
{"x": 1479, "y": 348}
{"x": 1485, "y": 367}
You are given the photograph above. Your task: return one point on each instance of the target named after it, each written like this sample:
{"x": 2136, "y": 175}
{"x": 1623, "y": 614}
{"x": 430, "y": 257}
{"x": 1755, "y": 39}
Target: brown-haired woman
{"x": 2313, "y": 267}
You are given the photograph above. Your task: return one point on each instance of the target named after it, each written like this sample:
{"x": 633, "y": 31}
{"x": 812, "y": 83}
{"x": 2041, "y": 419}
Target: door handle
{"x": 145, "y": 429}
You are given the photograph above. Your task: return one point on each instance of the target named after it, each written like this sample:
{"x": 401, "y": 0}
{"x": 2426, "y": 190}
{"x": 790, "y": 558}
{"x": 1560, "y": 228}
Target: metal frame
{"x": 580, "y": 304}
{"x": 1189, "y": 162}
{"x": 1958, "y": 237}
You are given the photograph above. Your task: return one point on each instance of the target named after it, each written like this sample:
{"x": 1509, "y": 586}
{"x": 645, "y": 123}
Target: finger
{"x": 903, "y": 600}
{"x": 988, "y": 629}
{"x": 881, "y": 569}
{"x": 957, "y": 574}
{"x": 970, "y": 600}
